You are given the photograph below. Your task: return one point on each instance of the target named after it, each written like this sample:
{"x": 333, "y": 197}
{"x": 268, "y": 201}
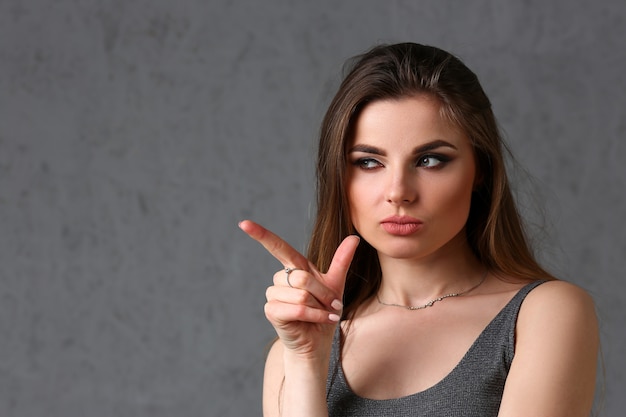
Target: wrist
{"x": 314, "y": 365}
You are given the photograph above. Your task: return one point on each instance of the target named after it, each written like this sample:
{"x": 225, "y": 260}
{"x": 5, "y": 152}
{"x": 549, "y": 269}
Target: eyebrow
{"x": 420, "y": 149}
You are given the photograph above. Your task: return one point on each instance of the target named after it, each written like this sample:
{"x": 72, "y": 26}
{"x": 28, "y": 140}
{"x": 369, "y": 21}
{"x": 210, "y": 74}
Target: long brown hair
{"x": 494, "y": 227}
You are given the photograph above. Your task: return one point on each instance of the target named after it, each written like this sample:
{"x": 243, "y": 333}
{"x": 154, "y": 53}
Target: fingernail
{"x": 334, "y": 317}
{"x": 337, "y": 305}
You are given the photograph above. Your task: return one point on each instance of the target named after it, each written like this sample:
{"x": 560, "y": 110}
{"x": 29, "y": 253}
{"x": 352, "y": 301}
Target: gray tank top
{"x": 473, "y": 388}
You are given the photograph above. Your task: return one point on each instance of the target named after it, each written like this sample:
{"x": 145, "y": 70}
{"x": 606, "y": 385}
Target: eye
{"x": 432, "y": 161}
{"x": 367, "y": 163}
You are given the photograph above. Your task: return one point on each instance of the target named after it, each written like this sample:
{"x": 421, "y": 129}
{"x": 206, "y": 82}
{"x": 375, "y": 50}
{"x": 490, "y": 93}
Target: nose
{"x": 402, "y": 188}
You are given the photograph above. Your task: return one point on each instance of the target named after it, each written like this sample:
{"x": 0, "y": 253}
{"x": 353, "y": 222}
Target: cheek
{"x": 355, "y": 200}
{"x": 360, "y": 199}
{"x": 455, "y": 197}
{"x": 351, "y": 195}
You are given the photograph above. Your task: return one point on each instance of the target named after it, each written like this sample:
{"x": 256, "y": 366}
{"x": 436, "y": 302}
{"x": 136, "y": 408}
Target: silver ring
{"x": 289, "y": 271}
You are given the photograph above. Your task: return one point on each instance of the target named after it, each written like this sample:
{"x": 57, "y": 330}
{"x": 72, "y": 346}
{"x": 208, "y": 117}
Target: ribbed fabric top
{"x": 473, "y": 388}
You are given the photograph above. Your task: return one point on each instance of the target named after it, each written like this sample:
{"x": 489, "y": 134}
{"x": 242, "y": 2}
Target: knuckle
{"x": 299, "y": 280}
{"x": 272, "y": 312}
{"x": 267, "y": 309}
{"x": 277, "y": 276}
{"x": 276, "y": 246}
{"x": 302, "y": 297}
{"x": 300, "y": 311}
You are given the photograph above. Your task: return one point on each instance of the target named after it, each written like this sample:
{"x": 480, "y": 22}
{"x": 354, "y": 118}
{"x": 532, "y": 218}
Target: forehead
{"x": 408, "y": 120}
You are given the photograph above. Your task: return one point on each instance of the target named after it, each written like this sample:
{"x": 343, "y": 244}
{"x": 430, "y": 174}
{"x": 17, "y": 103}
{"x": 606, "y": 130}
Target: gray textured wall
{"x": 134, "y": 134}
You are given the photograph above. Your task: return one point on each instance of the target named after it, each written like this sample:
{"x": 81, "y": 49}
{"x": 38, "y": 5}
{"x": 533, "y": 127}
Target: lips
{"x": 401, "y": 225}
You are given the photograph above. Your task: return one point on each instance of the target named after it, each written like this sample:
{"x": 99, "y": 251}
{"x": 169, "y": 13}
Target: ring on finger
{"x": 289, "y": 271}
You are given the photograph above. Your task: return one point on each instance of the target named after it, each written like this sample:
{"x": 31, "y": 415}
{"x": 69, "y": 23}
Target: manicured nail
{"x": 337, "y": 305}
{"x": 334, "y": 317}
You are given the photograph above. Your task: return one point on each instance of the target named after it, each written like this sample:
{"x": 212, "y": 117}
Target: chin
{"x": 402, "y": 250}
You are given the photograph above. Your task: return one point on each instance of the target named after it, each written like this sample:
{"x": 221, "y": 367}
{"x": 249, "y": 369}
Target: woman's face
{"x": 410, "y": 179}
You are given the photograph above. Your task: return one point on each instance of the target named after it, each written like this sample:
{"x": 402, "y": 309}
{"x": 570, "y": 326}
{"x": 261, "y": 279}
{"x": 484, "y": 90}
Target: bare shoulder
{"x": 560, "y": 312}
{"x": 556, "y": 341}
{"x": 557, "y": 298}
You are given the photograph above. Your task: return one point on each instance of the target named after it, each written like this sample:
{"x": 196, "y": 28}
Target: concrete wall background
{"x": 135, "y": 134}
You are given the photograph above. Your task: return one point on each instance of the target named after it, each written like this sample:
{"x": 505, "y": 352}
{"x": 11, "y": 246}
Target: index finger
{"x": 276, "y": 246}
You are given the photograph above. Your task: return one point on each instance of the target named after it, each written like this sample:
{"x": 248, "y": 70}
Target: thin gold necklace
{"x": 432, "y": 302}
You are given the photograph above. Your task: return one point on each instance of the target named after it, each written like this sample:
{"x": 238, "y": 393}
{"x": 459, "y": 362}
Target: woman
{"x": 419, "y": 254}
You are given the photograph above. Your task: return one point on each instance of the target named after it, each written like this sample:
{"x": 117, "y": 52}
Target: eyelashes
{"x": 428, "y": 161}
{"x": 367, "y": 163}
{"x": 432, "y": 161}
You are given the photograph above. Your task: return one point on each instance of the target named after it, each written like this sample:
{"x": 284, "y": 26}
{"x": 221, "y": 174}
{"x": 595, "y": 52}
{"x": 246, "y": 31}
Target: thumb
{"x": 336, "y": 276}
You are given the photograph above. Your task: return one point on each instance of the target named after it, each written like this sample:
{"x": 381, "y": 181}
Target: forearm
{"x": 304, "y": 389}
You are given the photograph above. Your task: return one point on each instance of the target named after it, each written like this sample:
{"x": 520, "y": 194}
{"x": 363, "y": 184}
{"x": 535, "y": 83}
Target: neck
{"x": 418, "y": 281}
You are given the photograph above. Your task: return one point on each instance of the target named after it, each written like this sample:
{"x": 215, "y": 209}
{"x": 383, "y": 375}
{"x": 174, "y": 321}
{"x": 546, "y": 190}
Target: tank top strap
{"x": 335, "y": 360}
{"x": 505, "y": 322}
